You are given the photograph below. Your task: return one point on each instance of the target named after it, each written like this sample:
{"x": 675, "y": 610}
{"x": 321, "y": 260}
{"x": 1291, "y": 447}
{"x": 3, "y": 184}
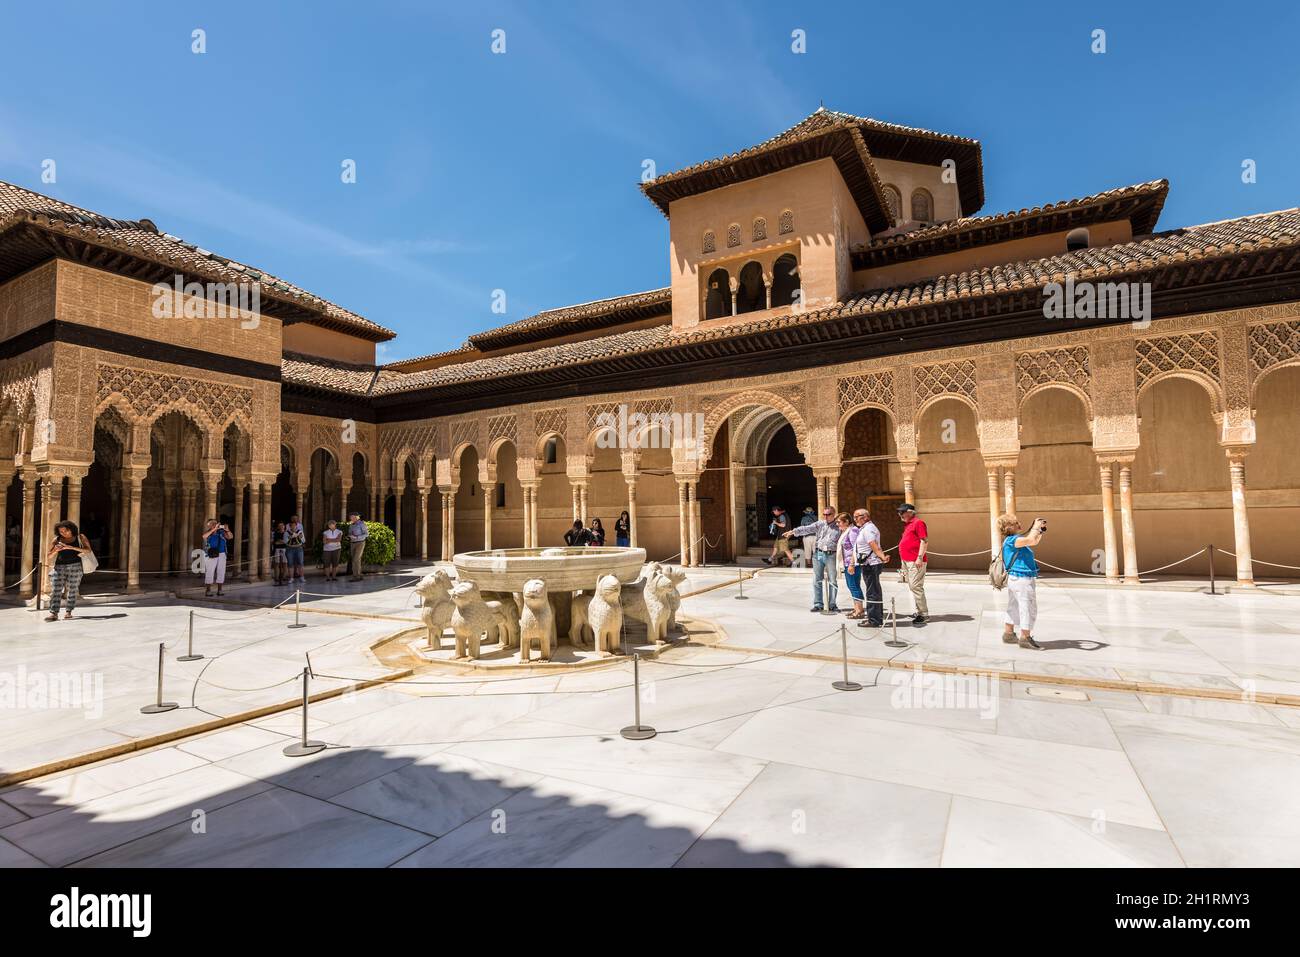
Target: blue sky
{"x": 519, "y": 171}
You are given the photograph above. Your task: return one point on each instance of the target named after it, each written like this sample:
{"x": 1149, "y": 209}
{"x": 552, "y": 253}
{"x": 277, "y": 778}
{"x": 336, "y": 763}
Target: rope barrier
{"x": 1152, "y": 571}
{"x": 21, "y": 580}
{"x": 1260, "y": 561}
{"x": 255, "y": 614}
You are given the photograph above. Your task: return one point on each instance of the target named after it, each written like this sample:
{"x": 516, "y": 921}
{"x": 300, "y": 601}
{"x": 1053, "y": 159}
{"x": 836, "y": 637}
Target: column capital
{"x": 1000, "y": 461}
{"x": 1236, "y": 452}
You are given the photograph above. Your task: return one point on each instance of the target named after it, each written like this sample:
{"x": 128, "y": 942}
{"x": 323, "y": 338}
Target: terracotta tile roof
{"x": 569, "y": 354}
{"x": 1210, "y": 241}
{"x": 869, "y": 137}
{"x": 400, "y": 365}
{"x": 305, "y": 370}
{"x": 1140, "y": 204}
{"x": 587, "y": 315}
{"x": 141, "y": 238}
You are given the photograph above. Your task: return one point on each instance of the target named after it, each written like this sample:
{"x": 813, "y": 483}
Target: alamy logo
{"x": 1098, "y": 300}
{"x": 75, "y": 909}
{"x": 213, "y": 300}
{"x": 42, "y": 690}
{"x": 657, "y": 430}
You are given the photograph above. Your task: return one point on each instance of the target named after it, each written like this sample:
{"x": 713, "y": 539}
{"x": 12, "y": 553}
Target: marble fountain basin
{"x": 563, "y": 569}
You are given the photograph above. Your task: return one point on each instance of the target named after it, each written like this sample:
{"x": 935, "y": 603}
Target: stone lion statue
{"x": 578, "y": 619}
{"x": 605, "y": 614}
{"x": 537, "y": 622}
{"x": 436, "y": 606}
{"x": 475, "y": 620}
{"x": 674, "y": 597}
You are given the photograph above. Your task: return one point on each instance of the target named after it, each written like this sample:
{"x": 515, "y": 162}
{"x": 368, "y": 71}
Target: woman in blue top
{"x": 1022, "y": 578}
{"x": 215, "y": 537}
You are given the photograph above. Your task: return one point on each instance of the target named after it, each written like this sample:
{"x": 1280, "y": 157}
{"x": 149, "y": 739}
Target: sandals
{"x": 51, "y": 617}
{"x": 67, "y": 615}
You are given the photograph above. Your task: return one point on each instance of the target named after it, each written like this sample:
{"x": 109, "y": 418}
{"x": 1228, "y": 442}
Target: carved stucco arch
{"x": 842, "y": 424}
{"x": 723, "y": 410}
{"x": 1069, "y": 387}
{"x": 970, "y": 403}
{"x": 1292, "y": 363}
{"x": 1210, "y": 385}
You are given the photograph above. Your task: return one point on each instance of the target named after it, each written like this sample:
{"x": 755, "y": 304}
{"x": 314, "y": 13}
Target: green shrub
{"x": 381, "y": 546}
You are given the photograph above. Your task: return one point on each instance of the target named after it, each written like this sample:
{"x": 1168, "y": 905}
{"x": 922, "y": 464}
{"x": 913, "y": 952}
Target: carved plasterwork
{"x": 1069, "y": 366}
{"x": 1194, "y": 355}
{"x": 550, "y": 421}
{"x": 146, "y": 395}
{"x": 945, "y": 378}
{"x": 872, "y": 388}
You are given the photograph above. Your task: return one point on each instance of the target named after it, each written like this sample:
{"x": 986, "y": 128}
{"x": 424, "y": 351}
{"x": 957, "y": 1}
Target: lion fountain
{"x": 593, "y": 598}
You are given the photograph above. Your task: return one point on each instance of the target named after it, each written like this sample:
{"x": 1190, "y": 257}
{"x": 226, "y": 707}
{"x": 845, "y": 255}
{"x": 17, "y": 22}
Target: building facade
{"x": 840, "y": 326}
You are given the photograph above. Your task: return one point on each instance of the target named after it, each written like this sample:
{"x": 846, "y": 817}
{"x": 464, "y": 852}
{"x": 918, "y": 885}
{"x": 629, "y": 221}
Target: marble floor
{"x": 758, "y": 761}
{"x": 1245, "y": 642}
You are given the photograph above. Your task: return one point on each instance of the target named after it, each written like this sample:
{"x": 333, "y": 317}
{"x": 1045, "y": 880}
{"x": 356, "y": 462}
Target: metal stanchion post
{"x": 1212, "y": 591}
{"x": 740, "y": 573}
{"x": 189, "y": 654}
{"x": 846, "y": 684}
{"x": 638, "y": 731}
{"x": 303, "y": 747}
{"x": 297, "y": 607}
{"x": 159, "y": 704}
{"x": 40, "y": 583}
{"x": 893, "y": 642}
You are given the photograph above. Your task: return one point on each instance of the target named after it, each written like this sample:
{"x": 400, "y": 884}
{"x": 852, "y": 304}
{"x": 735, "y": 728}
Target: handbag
{"x": 89, "y": 562}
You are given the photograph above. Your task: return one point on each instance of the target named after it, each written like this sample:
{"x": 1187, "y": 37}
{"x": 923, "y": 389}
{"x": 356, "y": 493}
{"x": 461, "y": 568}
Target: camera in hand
{"x": 1042, "y": 523}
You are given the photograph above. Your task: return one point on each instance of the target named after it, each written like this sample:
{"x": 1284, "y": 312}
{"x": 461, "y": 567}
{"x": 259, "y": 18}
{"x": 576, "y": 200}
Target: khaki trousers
{"x": 914, "y": 576}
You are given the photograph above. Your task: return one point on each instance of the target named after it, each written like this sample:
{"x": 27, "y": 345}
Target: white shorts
{"x": 214, "y": 569}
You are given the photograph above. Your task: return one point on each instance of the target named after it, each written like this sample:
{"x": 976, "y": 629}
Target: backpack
{"x": 998, "y": 570}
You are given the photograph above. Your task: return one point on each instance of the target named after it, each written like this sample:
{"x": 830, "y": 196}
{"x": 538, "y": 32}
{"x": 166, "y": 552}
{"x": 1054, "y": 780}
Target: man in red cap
{"x": 911, "y": 552}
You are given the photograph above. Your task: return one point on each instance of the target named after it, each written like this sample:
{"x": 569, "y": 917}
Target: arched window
{"x": 733, "y": 234}
{"x": 922, "y": 206}
{"x": 1077, "y": 239}
{"x": 552, "y": 449}
{"x": 710, "y": 242}
{"x": 894, "y": 200}
{"x": 717, "y": 301}
{"x": 787, "y": 222}
{"x": 751, "y": 296}
{"x": 785, "y": 281}
{"x": 760, "y": 229}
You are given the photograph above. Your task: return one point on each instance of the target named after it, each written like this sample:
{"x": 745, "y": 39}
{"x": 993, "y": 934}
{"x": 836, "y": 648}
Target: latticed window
{"x": 894, "y": 200}
{"x": 922, "y": 206}
{"x": 733, "y": 234}
{"x": 710, "y": 242}
{"x": 760, "y": 229}
{"x": 787, "y": 222}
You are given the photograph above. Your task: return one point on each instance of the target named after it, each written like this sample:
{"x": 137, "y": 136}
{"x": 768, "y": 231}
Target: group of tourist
{"x": 840, "y": 545}
{"x": 849, "y": 546}
{"x": 70, "y": 551}
{"x": 578, "y": 535}
{"x": 289, "y": 544}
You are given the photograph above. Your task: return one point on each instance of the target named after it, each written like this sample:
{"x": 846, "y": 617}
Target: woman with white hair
{"x": 1022, "y": 578}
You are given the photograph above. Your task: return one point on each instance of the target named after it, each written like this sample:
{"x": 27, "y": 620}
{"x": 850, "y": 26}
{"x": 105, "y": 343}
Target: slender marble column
{"x": 1108, "y": 521}
{"x": 1126, "y": 523}
{"x": 25, "y": 564}
{"x": 683, "y": 522}
{"x": 1240, "y": 518}
{"x": 995, "y": 505}
{"x": 631, "y": 511}
{"x": 692, "y": 501}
